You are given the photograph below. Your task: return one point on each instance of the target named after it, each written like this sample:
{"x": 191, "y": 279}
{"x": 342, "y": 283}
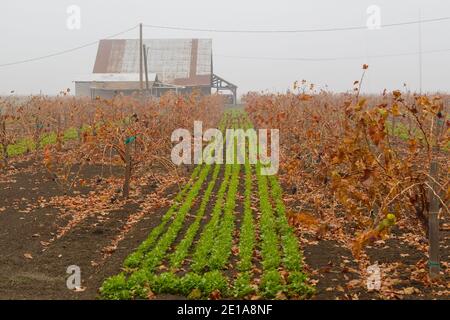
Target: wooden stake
{"x": 433, "y": 217}
{"x": 128, "y": 164}
{"x": 79, "y": 134}
{"x": 4, "y": 144}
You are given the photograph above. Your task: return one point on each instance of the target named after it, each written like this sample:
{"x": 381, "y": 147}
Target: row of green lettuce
{"x": 207, "y": 260}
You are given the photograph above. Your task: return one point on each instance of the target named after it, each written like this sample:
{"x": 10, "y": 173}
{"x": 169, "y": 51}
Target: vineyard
{"x": 91, "y": 183}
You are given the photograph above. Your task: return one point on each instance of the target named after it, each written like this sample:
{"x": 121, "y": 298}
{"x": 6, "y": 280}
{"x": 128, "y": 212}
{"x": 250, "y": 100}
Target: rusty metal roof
{"x": 184, "y": 62}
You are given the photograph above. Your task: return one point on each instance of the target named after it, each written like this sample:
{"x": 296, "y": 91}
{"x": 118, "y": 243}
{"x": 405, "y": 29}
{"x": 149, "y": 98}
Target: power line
{"x": 331, "y": 58}
{"x": 349, "y": 28}
{"x": 246, "y": 31}
{"x": 65, "y": 51}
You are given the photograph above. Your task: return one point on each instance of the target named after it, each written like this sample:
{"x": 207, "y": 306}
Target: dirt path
{"x": 33, "y": 264}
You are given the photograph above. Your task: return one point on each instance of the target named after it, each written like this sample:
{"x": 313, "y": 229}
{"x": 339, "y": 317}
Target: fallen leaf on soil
{"x": 28, "y": 255}
{"x": 215, "y": 295}
{"x": 280, "y": 296}
{"x": 302, "y": 218}
{"x": 408, "y": 291}
{"x": 150, "y": 295}
{"x": 353, "y": 283}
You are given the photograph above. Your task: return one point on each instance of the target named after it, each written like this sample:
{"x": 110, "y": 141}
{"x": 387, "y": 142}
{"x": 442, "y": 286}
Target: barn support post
{"x": 221, "y": 84}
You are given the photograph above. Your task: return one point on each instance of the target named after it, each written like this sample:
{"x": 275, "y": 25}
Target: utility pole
{"x": 146, "y": 67}
{"x": 141, "y": 78}
{"x": 420, "y": 53}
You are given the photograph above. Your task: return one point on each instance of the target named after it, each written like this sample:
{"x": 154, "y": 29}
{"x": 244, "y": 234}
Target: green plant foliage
{"x": 269, "y": 237}
{"x": 115, "y": 288}
{"x": 243, "y": 286}
{"x": 224, "y": 239}
{"x": 198, "y": 269}
{"x": 205, "y": 243}
{"x": 247, "y": 236}
{"x": 271, "y": 284}
{"x": 177, "y": 258}
{"x": 134, "y": 260}
{"x": 154, "y": 257}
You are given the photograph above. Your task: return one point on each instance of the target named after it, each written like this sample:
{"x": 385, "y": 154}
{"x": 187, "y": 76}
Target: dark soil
{"x": 333, "y": 266}
{"x": 31, "y": 270}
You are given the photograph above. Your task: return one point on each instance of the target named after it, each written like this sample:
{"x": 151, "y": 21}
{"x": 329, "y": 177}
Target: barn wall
{"x": 82, "y": 89}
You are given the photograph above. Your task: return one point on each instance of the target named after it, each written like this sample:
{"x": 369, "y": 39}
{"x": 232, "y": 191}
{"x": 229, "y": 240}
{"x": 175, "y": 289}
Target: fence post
{"x": 3, "y": 142}
{"x": 433, "y": 213}
{"x": 79, "y": 134}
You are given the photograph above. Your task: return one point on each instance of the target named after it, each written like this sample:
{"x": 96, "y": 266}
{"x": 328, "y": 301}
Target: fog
{"x": 35, "y": 28}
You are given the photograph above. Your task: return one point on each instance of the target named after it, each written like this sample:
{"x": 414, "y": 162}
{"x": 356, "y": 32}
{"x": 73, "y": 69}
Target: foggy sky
{"x": 34, "y": 28}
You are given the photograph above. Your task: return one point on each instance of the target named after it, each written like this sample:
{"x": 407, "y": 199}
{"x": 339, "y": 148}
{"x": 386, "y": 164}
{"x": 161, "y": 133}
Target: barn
{"x": 181, "y": 65}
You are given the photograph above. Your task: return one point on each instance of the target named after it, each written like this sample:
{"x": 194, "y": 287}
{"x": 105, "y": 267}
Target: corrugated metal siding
{"x": 103, "y": 53}
{"x": 118, "y": 50}
{"x": 176, "y": 61}
{"x": 204, "y": 61}
{"x": 130, "y": 57}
